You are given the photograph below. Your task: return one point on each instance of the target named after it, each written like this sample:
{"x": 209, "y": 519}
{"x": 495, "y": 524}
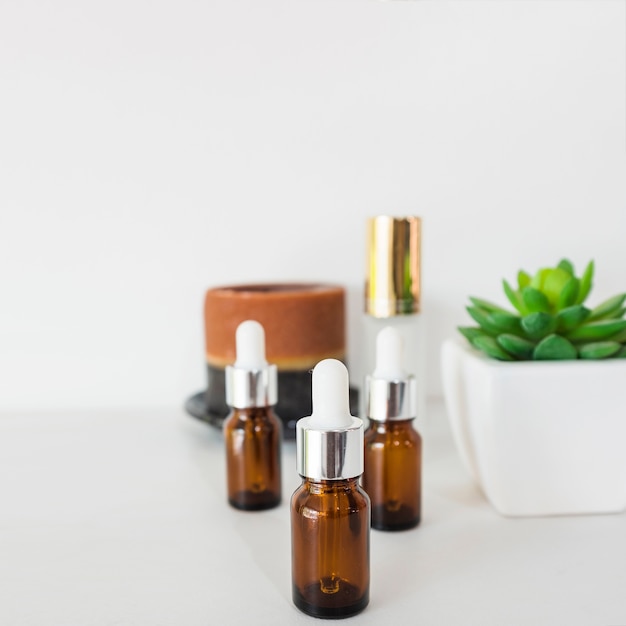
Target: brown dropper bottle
{"x": 393, "y": 448}
{"x": 330, "y": 513}
{"x": 252, "y": 431}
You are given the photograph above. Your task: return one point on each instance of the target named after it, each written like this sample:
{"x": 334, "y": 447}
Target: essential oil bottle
{"x": 393, "y": 291}
{"x": 330, "y": 512}
{"x": 252, "y": 431}
{"x": 393, "y": 448}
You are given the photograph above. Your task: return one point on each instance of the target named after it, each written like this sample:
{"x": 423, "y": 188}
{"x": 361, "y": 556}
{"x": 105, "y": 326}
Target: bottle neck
{"x": 252, "y": 411}
{"x": 330, "y": 486}
{"x": 392, "y": 425}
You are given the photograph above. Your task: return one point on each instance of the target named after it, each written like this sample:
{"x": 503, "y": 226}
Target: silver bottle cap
{"x": 251, "y": 381}
{"x": 251, "y": 388}
{"x": 329, "y": 443}
{"x": 390, "y": 399}
{"x": 390, "y": 393}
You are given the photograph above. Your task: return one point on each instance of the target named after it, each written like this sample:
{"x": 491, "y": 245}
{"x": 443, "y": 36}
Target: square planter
{"x": 539, "y": 438}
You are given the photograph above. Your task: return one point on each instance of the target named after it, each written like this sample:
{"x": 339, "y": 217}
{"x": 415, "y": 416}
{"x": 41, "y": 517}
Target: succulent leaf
{"x": 539, "y": 278}
{"x": 554, "y": 283}
{"x": 470, "y": 332}
{"x": 585, "y": 283}
{"x": 615, "y": 315}
{"x": 535, "y": 300}
{"x": 514, "y": 297}
{"x": 603, "y": 329}
{"x": 599, "y": 349}
{"x": 490, "y": 307}
{"x": 505, "y": 322}
{"x": 516, "y": 346}
{"x": 481, "y": 317}
{"x": 572, "y": 317}
{"x": 538, "y": 325}
{"x": 523, "y": 279}
{"x": 489, "y": 346}
{"x": 621, "y": 337}
{"x": 568, "y": 294}
{"x": 621, "y": 354}
{"x": 566, "y": 264}
{"x": 608, "y": 307}
{"x": 554, "y": 347}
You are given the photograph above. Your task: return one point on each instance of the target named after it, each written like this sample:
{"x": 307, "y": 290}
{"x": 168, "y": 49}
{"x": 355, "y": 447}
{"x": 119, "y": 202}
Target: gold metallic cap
{"x": 392, "y": 286}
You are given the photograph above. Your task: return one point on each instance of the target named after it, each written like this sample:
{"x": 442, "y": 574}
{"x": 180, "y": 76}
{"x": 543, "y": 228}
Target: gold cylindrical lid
{"x": 392, "y": 285}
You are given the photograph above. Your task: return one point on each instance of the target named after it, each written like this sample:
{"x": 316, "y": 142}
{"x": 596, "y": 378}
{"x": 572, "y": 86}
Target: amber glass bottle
{"x": 253, "y": 458}
{"x": 393, "y": 448}
{"x": 252, "y": 431}
{"x": 330, "y": 512}
{"x": 392, "y": 477}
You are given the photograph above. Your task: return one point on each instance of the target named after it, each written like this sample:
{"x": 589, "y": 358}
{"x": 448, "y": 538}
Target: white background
{"x": 149, "y": 150}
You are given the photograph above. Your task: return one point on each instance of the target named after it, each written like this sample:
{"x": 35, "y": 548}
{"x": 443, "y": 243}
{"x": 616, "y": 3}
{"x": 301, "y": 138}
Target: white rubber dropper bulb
{"x": 331, "y": 405}
{"x": 389, "y": 355}
{"x": 250, "y": 346}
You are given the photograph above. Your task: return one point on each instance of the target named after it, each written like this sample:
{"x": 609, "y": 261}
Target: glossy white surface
{"x": 121, "y": 518}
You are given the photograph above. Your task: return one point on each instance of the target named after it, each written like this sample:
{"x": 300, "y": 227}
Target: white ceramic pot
{"x": 540, "y": 438}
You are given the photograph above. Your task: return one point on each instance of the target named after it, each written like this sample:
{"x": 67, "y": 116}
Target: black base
{"x": 294, "y": 400}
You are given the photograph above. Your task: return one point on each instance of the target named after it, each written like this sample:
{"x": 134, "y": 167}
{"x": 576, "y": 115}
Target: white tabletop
{"x": 120, "y": 518}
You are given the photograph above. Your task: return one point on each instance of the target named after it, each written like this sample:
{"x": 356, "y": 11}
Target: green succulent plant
{"x": 550, "y": 321}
